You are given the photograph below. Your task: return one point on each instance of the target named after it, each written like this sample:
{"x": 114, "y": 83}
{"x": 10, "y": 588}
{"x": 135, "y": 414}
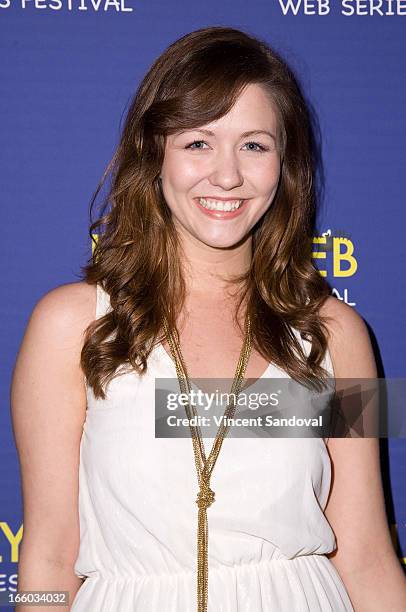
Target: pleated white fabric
{"x": 138, "y": 516}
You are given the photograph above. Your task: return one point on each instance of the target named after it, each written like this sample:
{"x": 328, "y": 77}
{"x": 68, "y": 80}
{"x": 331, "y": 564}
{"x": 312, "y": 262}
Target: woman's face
{"x": 226, "y": 163}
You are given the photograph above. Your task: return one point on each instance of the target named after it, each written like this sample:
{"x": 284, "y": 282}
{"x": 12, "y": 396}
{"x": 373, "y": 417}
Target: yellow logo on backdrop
{"x": 95, "y": 237}
{"x": 13, "y": 539}
{"x": 342, "y": 252}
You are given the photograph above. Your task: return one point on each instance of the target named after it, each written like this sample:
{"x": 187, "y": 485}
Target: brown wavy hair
{"x": 136, "y": 255}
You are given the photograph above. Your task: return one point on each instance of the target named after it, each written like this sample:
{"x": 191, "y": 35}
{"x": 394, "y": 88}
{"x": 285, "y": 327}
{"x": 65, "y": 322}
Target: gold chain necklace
{"x": 205, "y": 466}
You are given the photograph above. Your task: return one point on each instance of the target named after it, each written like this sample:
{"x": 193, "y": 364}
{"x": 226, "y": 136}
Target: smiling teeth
{"x": 219, "y": 205}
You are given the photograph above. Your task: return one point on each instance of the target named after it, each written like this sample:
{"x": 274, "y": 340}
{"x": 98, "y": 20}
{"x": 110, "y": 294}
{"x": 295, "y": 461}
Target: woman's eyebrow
{"x": 243, "y": 135}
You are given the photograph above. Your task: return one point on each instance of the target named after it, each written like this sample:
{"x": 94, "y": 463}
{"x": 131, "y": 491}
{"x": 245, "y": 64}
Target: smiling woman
{"x": 202, "y": 267}
{"x": 227, "y": 177}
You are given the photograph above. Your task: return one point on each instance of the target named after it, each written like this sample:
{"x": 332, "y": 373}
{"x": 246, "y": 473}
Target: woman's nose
{"x": 226, "y": 172}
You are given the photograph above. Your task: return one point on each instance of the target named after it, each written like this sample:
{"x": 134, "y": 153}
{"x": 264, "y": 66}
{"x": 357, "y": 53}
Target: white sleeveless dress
{"x": 138, "y": 516}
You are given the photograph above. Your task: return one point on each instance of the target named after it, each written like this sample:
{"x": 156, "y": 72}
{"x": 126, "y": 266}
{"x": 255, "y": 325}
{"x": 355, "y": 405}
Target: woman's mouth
{"x": 220, "y": 209}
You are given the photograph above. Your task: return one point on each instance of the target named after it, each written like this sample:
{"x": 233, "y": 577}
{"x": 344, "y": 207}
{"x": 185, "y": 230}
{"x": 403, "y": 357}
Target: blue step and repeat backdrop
{"x": 68, "y": 69}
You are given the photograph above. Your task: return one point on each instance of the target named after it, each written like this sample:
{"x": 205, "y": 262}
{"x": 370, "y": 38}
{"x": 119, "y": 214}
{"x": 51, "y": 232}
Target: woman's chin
{"x": 221, "y": 242}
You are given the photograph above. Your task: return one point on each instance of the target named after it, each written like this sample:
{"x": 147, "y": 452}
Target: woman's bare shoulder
{"x": 48, "y": 358}
{"x": 67, "y": 308}
{"x": 349, "y": 341}
{"x": 341, "y": 316}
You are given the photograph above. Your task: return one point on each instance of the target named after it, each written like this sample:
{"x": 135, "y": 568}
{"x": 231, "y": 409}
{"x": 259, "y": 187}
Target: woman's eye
{"x": 256, "y": 144}
{"x": 195, "y": 142}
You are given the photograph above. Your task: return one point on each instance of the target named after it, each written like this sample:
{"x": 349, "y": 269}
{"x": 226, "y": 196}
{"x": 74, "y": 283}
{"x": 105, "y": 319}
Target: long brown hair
{"x": 136, "y": 255}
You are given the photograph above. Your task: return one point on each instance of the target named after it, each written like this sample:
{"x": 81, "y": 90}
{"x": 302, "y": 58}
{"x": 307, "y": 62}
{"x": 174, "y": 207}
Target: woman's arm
{"x": 48, "y": 404}
{"x": 365, "y": 557}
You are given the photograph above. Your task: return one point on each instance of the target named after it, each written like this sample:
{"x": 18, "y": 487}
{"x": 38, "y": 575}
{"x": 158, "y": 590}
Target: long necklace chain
{"x": 205, "y": 466}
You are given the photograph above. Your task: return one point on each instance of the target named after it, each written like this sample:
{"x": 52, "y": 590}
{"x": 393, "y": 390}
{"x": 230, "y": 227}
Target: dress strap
{"x": 102, "y": 301}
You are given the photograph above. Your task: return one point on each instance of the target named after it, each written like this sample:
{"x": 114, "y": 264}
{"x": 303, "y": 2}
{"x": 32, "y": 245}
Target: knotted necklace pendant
{"x": 205, "y": 497}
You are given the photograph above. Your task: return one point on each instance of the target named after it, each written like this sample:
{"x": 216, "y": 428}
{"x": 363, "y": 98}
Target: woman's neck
{"x": 207, "y": 270}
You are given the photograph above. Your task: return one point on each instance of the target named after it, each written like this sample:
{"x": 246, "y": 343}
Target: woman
{"x": 207, "y": 235}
